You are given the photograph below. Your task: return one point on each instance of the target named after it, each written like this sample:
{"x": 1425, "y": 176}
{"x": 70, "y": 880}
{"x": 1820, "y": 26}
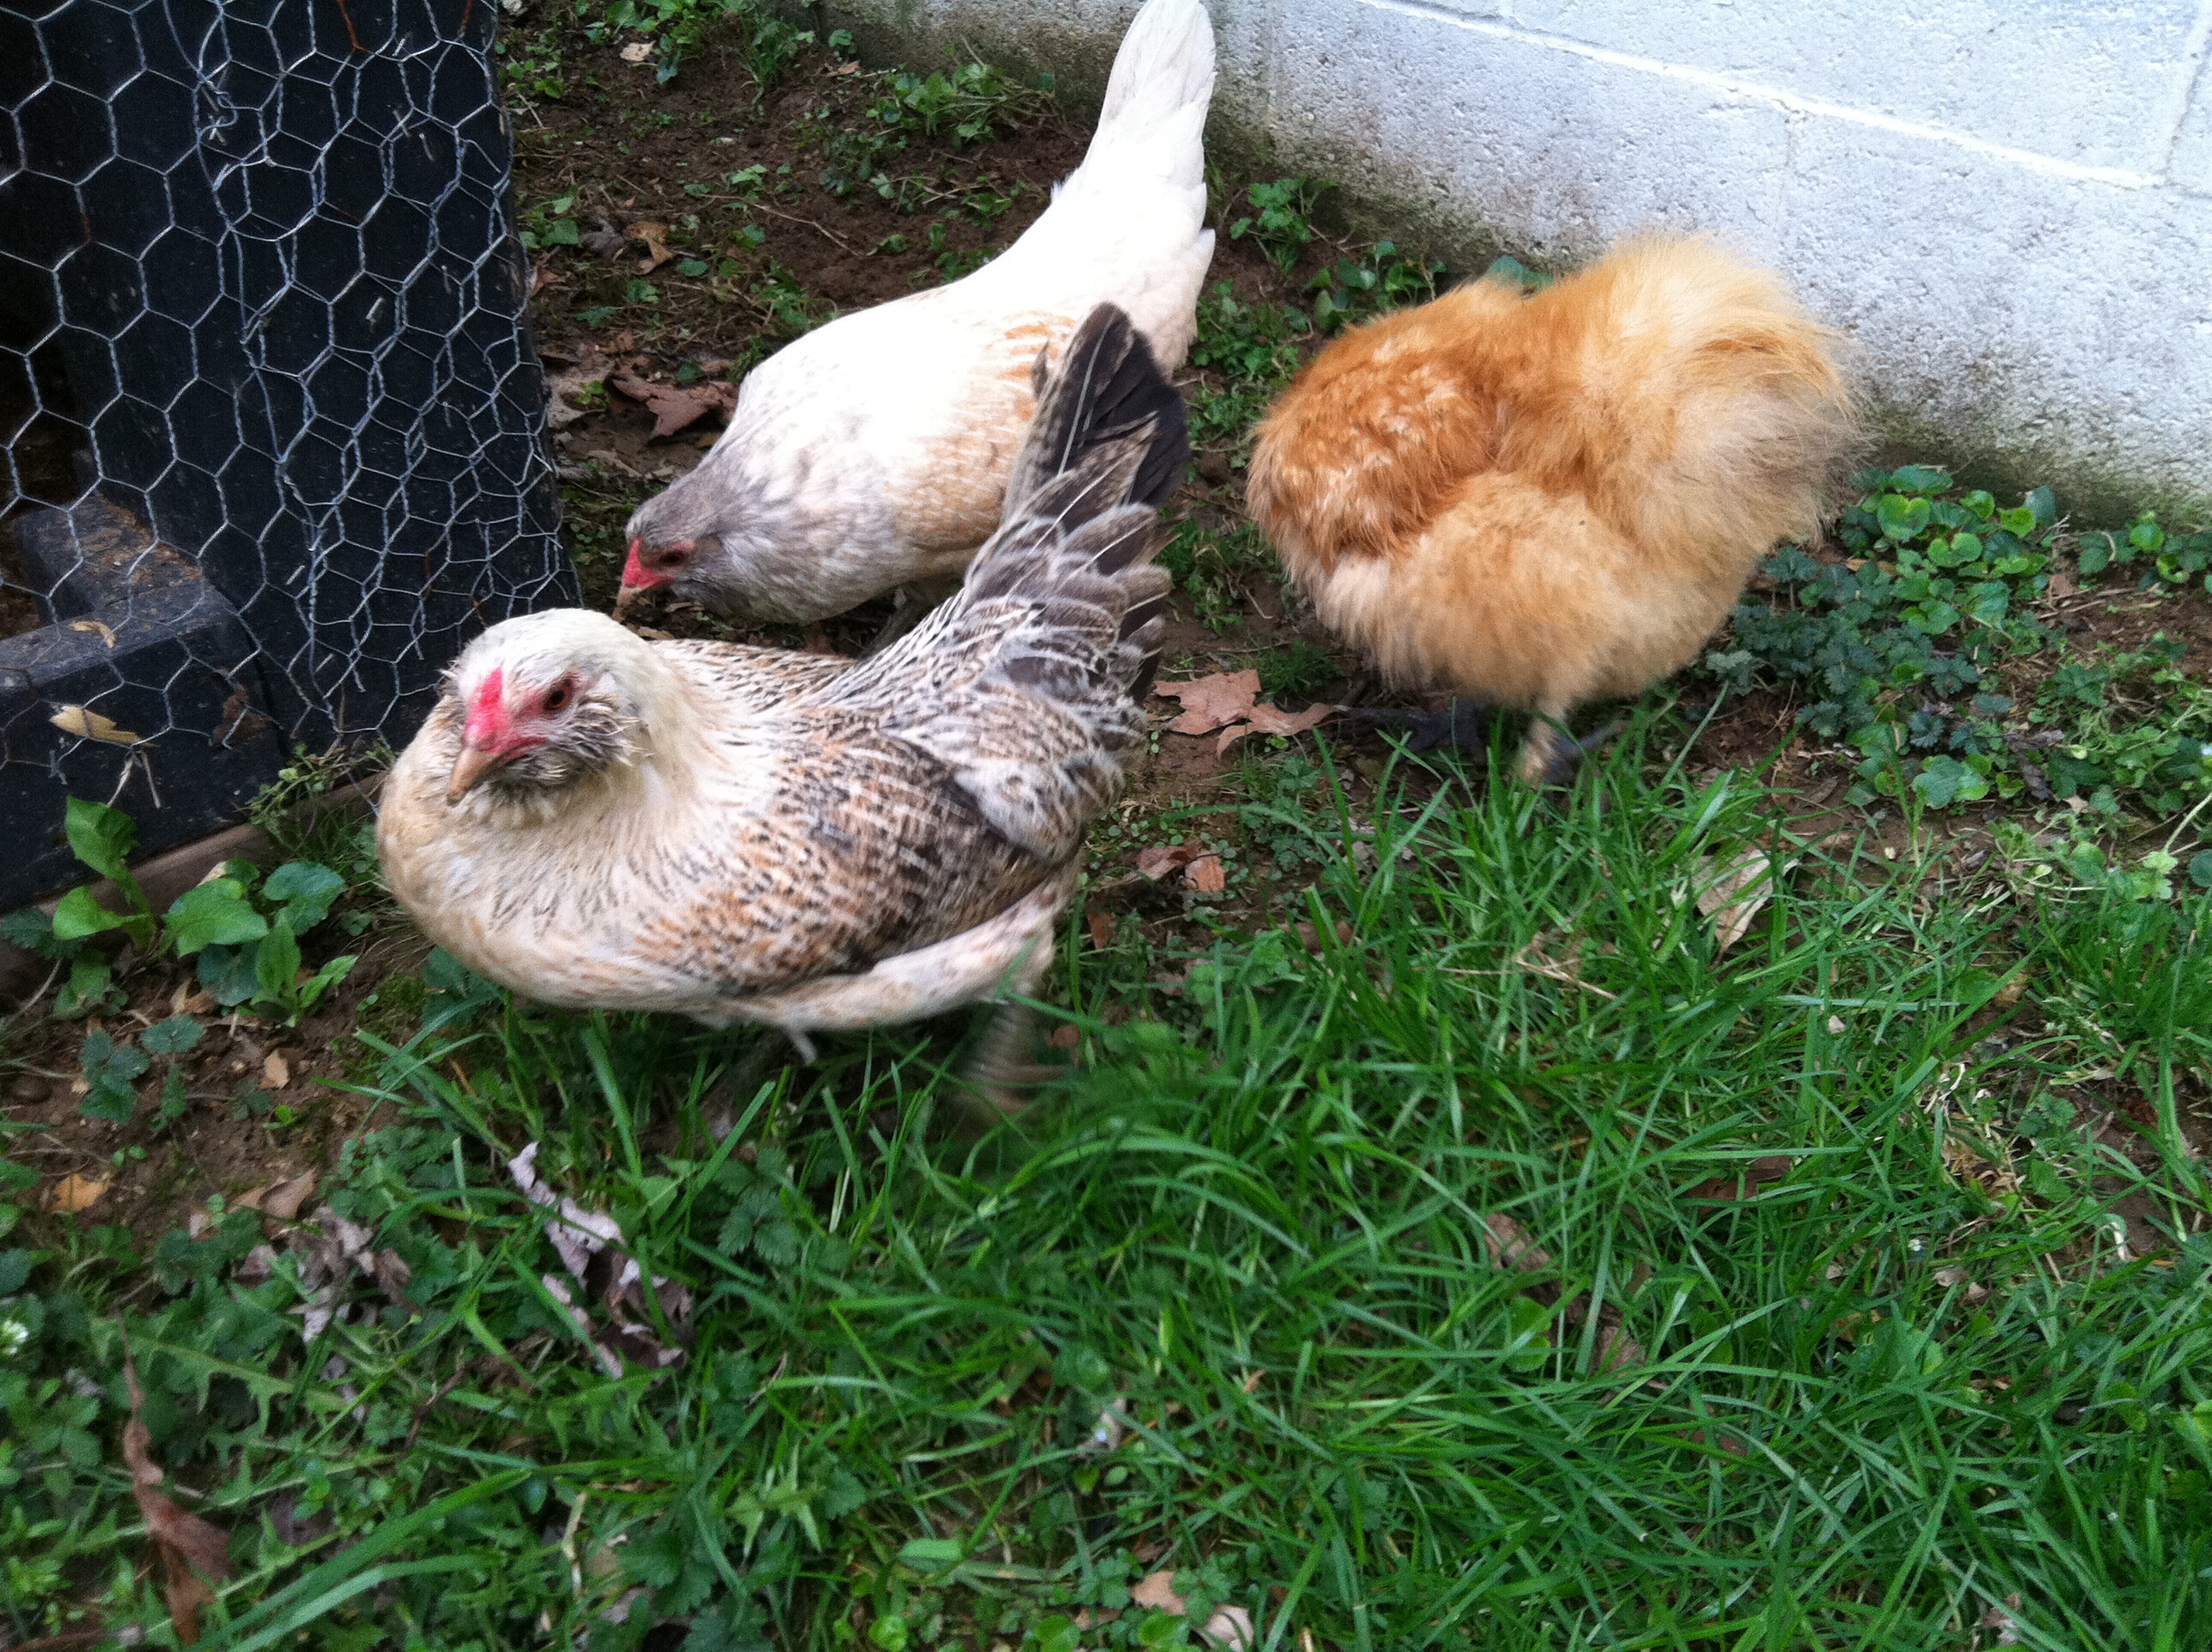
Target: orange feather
{"x": 1545, "y": 501}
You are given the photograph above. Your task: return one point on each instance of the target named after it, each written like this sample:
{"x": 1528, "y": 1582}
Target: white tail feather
{"x": 1154, "y": 120}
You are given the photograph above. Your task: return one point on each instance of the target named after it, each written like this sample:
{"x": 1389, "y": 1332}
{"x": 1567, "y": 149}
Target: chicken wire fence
{"x": 274, "y": 427}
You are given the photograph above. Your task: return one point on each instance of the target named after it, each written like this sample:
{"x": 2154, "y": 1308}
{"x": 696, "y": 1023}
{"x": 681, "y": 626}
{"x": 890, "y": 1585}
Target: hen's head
{"x": 689, "y": 541}
{"x": 550, "y": 700}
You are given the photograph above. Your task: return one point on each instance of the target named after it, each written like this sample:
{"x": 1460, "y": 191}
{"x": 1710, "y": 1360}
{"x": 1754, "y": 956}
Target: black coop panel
{"x": 275, "y": 431}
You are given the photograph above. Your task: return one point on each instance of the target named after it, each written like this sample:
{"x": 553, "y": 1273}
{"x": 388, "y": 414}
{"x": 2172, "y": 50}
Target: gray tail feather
{"x": 1109, "y": 391}
{"x": 1107, "y": 447}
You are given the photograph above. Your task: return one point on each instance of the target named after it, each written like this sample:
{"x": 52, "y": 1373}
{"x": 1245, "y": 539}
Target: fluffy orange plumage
{"x": 1541, "y": 501}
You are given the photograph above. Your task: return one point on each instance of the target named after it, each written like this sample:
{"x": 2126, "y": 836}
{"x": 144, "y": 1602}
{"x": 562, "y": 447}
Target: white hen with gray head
{"x": 874, "y": 453}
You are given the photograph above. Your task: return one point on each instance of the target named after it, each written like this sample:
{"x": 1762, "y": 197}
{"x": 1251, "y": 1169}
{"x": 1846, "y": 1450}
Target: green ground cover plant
{"x": 1924, "y": 651}
{"x": 1523, "y": 1265}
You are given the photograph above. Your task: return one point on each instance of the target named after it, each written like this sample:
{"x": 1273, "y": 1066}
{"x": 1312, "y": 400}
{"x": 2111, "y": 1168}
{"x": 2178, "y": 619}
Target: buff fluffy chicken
{"x": 1539, "y": 501}
{"x": 872, "y": 454}
{"x": 739, "y": 834}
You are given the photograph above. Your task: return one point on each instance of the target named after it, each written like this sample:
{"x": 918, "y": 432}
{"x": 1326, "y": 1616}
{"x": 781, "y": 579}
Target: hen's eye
{"x": 556, "y": 697}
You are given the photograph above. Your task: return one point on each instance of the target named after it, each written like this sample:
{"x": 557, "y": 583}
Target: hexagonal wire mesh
{"x": 274, "y": 428}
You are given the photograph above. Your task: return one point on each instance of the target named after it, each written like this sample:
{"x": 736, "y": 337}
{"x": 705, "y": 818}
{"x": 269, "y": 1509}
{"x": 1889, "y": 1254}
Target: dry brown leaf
{"x": 1309, "y": 938}
{"x": 675, "y": 407}
{"x": 1157, "y": 860}
{"x": 1271, "y": 720}
{"x": 1206, "y": 875}
{"x": 1617, "y": 1351}
{"x": 2001, "y": 1619}
{"x": 105, "y": 633}
{"x": 1230, "y": 1626}
{"x": 284, "y": 1198}
{"x": 1726, "y": 1443}
{"x": 1952, "y": 1278}
{"x": 1967, "y": 1163}
{"x": 73, "y": 1194}
{"x": 275, "y": 1072}
{"x": 1101, "y": 929}
{"x": 1745, "y": 1183}
{"x": 653, "y": 237}
{"x": 591, "y": 1247}
{"x": 560, "y": 411}
{"x": 194, "y": 1552}
{"x": 1509, "y": 1245}
{"x": 1209, "y": 703}
{"x": 91, "y": 726}
{"x": 1735, "y": 894}
{"x": 1155, "y": 1592}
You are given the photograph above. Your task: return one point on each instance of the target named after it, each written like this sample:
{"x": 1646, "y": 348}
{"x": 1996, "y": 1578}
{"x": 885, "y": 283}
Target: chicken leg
{"x": 1463, "y": 725}
{"x": 1552, "y": 756}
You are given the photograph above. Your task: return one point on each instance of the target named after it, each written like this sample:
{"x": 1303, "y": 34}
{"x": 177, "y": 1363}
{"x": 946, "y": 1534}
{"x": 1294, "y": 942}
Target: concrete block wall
{"x": 2007, "y": 203}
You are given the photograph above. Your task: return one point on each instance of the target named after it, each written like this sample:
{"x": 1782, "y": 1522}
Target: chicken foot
{"x": 771, "y": 1053}
{"x": 1463, "y": 725}
{"x": 1552, "y": 756}
{"x": 1001, "y": 1072}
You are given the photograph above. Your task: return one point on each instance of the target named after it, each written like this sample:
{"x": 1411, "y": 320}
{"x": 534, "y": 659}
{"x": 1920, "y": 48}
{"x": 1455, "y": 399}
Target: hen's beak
{"x": 471, "y": 766}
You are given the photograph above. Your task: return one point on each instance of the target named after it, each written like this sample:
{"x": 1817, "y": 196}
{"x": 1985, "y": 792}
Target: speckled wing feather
{"x": 1033, "y": 676}
{"x": 927, "y": 788}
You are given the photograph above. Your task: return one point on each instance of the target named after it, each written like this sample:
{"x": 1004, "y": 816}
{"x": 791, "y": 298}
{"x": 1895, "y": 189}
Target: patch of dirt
{"x": 265, "y": 1101}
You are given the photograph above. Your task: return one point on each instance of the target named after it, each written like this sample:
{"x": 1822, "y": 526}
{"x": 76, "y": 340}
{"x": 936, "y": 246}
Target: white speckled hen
{"x": 873, "y": 453}
{"x": 740, "y": 834}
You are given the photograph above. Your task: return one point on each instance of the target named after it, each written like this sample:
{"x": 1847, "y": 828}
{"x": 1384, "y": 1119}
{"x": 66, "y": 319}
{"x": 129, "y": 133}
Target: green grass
{"x": 1253, "y": 1226}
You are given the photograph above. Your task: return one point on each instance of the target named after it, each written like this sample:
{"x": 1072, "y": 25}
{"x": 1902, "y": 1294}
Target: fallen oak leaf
{"x": 1155, "y": 1592}
{"x": 1228, "y": 1626}
{"x": 1745, "y": 1185}
{"x": 87, "y": 725}
{"x": 1510, "y": 1245}
{"x": 653, "y": 237}
{"x": 675, "y": 407}
{"x": 285, "y": 1198}
{"x": 1734, "y": 895}
{"x": 1210, "y": 703}
{"x": 2000, "y": 1618}
{"x": 560, "y": 411}
{"x": 1309, "y": 938}
{"x": 195, "y": 1552}
{"x": 1157, "y": 860}
{"x": 73, "y": 1194}
{"x": 1271, "y": 720}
